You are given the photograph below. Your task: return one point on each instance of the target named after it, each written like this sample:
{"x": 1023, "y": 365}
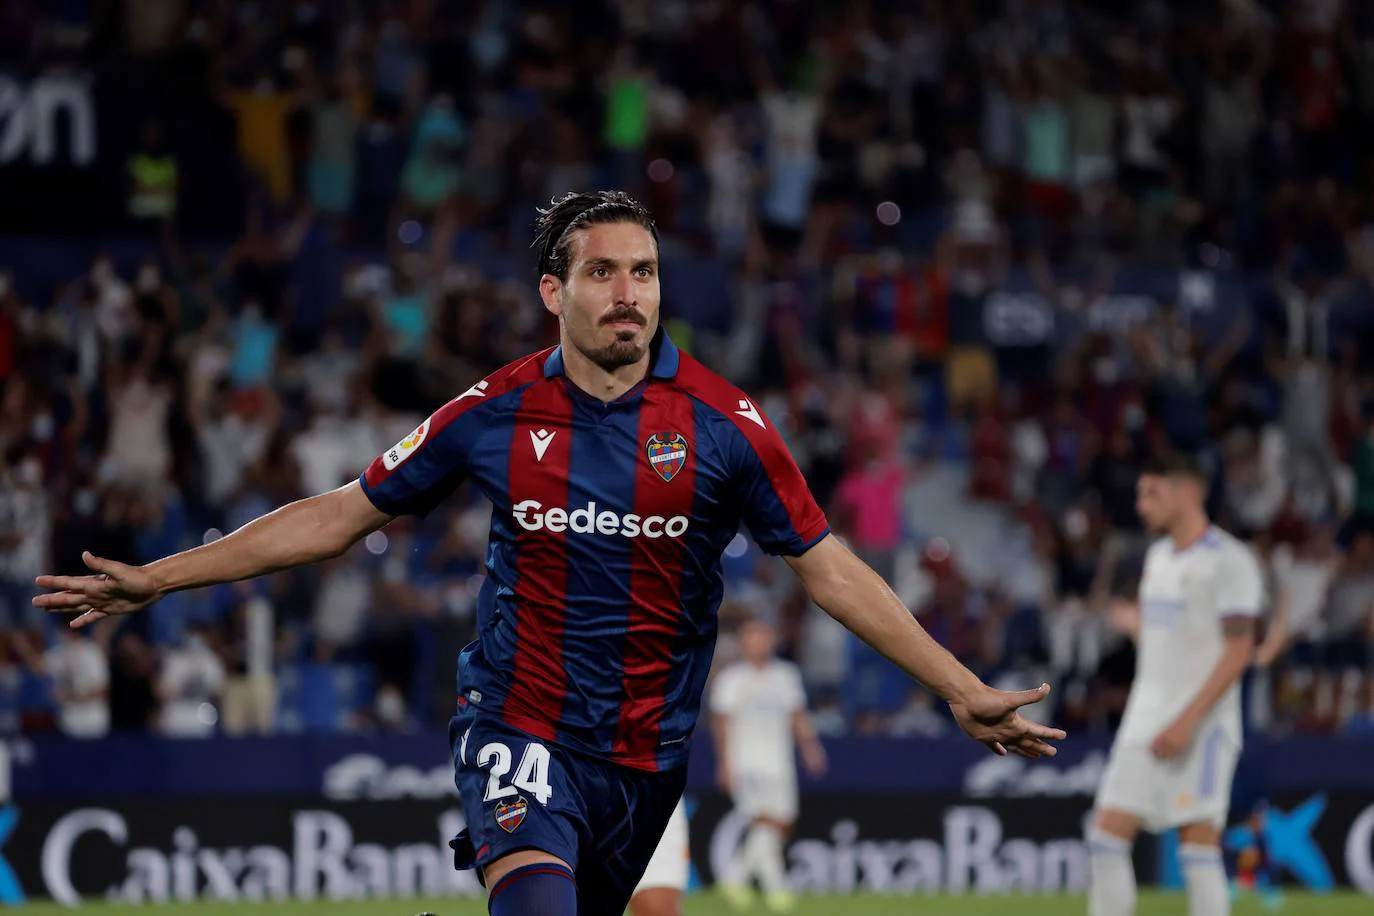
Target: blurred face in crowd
{"x": 757, "y": 641}
{"x": 608, "y": 305}
{"x": 1161, "y": 499}
{"x": 1361, "y": 554}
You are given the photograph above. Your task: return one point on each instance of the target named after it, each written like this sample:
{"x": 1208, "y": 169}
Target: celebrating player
{"x": 661, "y": 889}
{"x": 619, "y": 469}
{"x": 1175, "y": 753}
{"x": 759, "y": 719}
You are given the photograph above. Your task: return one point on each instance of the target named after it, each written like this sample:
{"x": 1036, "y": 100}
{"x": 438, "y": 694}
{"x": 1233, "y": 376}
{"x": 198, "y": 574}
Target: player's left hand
{"x": 1173, "y": 741}
{"x": 991, "y": 716}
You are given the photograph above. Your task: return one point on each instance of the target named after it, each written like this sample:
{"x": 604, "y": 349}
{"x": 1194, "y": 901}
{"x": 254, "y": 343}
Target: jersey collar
{"x": 663, "y": 361}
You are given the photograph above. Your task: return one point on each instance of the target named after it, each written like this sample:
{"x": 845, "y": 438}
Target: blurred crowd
{"x": 842, "y": 190}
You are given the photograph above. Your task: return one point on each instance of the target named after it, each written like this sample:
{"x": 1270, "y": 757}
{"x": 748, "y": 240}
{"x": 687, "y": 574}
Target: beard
{"x": 625, "y": 350}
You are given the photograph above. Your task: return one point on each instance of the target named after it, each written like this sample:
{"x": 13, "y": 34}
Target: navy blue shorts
{"x": 518, "y": 792}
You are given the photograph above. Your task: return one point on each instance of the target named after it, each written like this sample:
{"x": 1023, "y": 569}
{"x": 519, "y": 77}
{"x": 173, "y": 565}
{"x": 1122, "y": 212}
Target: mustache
{"x": 625, "y": 314}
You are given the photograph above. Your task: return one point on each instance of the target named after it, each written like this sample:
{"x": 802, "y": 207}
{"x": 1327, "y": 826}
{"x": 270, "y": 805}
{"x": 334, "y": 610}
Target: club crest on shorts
{"x": 667, "y": 453}
{"x": 511, "y": 814}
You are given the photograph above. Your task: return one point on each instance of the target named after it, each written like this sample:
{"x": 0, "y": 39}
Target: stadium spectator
{"x": 342, "y": 599}
{"x": 152, "y": 179}
{"x": 1343, "y": 689}
{"x": 1003, "y": 256}
{"x": 25, "y": 532}
{"x": 190, "y": 685}
{"x": 79, "y": 675}
{"x": 250, "y": 648}
{"x": 138, "y": 456}
{"x": 133, "y": 677}
{"x": 868, "y": 505}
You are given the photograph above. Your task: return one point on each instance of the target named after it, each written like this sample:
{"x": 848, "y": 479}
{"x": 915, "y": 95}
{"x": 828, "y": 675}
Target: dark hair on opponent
{"x": 578, "y": 210}
{"x": 1170, "y": 463}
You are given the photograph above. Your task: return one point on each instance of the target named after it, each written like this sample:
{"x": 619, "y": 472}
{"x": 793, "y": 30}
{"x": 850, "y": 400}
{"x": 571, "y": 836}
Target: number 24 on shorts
{"x": 532, "y": 775}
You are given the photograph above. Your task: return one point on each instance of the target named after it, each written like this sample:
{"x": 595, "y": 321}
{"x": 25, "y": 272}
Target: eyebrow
{"x": 614, "y": 262}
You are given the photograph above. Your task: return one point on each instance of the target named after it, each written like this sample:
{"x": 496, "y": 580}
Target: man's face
{"x": 757, "y": 641}
{"x": 609, "y": 303}
{"x": 1158, "y": 499}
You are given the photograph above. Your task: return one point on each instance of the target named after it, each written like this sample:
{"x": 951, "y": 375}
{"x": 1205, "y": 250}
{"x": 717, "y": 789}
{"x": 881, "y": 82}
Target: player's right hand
{"x": 991, "y": 716}
{"x": 115, "y": 589}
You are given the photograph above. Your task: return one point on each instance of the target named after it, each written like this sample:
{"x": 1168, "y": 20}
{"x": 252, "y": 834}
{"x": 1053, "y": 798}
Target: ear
{"x": 551, "y": 291}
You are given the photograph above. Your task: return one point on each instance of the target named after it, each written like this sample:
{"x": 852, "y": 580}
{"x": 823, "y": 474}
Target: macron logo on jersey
{"x": 540, "y": 440}
{"x": 476, "y": 391}
{"x": 531, "y": 515}
{"x": 750, "y": 413}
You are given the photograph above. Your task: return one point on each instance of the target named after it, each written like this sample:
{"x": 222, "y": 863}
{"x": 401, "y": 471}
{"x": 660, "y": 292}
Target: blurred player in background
{"x": 759, "y": 721}
{"x": 619, "y": 469}
{"x": 1175, "y": 753}
{"x": 661, "y": 890}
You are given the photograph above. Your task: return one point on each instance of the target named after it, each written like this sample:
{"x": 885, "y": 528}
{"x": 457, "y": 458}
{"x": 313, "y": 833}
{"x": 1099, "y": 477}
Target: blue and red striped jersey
{"x": 597, "y": 617}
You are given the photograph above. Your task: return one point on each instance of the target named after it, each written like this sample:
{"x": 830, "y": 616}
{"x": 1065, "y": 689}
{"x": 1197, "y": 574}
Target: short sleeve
{"x": 775, "y": 501}
{"x": 724, "y": 696}
{"x": 1240, "y": 585}
{"x": 420, "y": 471}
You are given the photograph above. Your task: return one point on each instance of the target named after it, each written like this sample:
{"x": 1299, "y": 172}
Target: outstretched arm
{"x": 301, "y": 532}
{"x": 851, "y": 592}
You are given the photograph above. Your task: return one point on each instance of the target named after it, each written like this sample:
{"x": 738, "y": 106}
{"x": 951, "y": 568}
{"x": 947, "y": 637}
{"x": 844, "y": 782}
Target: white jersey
{"x": 79, "y": 666}
{"x": 1184, "y": 596}
{"x": 760, "y": 703}
{"x": 671, "y": 864}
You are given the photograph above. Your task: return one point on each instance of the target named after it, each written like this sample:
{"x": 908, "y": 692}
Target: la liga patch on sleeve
{"x": 405, "y": 448}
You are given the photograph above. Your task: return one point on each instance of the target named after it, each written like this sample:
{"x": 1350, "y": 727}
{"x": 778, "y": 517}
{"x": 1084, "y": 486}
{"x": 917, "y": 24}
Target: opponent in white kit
{"x": 1175, "y": 753}
{"x": 759, "y": 721}
{"x": 664, "y": 884}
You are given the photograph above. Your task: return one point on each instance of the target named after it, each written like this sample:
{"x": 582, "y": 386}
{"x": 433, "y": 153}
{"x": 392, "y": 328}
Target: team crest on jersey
{"x": 510, "y": 815}
{"x": 667, "y": 453}
{"x": 405, "y": 448}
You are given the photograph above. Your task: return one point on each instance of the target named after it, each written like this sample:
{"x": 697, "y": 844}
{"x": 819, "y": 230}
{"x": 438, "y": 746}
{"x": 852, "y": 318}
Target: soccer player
{"x": 661, "y": 889}
{"x": 619, "y": 468}
{"x": 1175, "y": 753}
{"x": 759, "y": 721}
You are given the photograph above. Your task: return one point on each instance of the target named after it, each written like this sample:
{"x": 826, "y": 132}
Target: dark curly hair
{"x": 578, "y": 210}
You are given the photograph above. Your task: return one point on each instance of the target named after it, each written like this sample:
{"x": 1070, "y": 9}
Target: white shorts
{"x": 672, "y": 861}
{"x": 765, "y": 795}
{"x": 1192, "y": 789}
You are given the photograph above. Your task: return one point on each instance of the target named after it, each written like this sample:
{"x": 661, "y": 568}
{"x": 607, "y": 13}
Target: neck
{"x": 603, "y": 384}
{"x": 1189, "y": 530}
